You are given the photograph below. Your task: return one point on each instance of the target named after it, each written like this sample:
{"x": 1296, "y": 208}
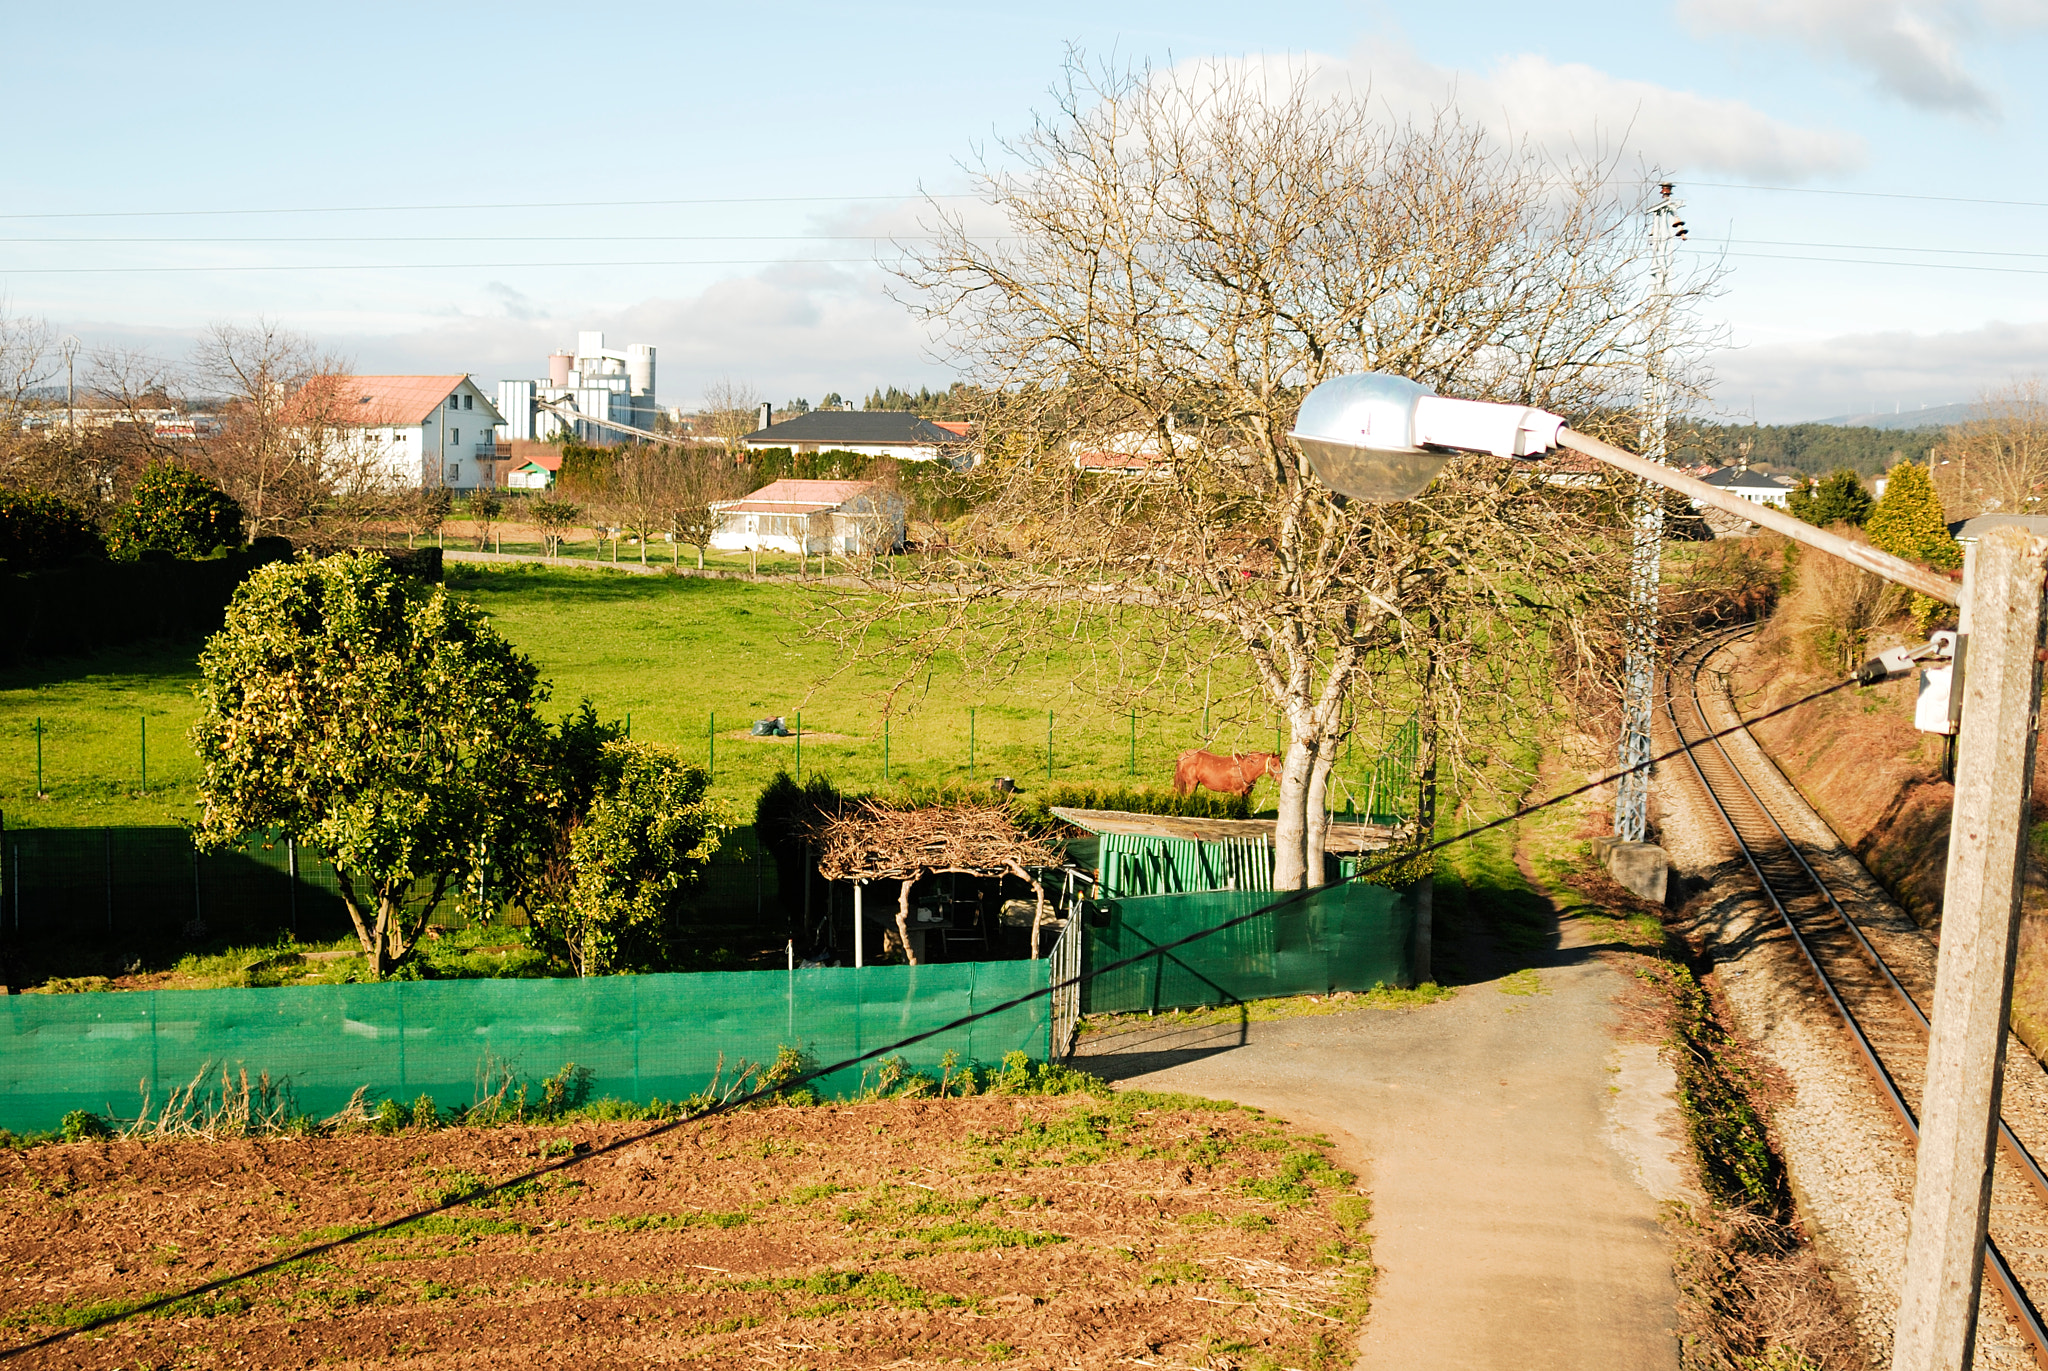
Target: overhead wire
{"x": 771, "y": 1091}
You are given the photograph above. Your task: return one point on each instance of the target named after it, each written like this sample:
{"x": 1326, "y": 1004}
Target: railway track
{"x": 1881, "y": 1007}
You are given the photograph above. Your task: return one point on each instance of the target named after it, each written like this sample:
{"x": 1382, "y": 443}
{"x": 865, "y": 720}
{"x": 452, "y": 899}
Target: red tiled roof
{"x": 962, "y": 429}
{"x": 374, "y": 401}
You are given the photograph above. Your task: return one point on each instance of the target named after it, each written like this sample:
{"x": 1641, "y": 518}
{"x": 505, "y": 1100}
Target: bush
{"x": 38, "y": 531}
{"x": 1837, "y": 498}
{"x": 174, "y": 511}
{"x": 1201, "y": 804}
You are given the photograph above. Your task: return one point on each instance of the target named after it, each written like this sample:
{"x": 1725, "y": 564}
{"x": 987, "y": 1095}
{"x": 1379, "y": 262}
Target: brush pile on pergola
{"x": 874, "y": 842}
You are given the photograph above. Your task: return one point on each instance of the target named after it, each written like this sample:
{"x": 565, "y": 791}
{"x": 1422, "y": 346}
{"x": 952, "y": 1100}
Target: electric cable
{"x": 764, "y": 1092}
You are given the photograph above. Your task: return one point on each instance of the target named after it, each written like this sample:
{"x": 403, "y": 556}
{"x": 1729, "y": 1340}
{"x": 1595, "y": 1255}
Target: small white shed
{"x": 812, "y": 517}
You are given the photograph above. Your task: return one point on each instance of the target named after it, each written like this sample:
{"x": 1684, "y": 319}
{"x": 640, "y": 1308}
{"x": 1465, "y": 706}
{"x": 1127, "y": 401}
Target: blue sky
{"x": 127, "y": 121}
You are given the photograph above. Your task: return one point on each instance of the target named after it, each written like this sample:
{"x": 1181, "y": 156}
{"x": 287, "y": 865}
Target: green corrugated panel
{"x": 644, "y": 1037}
{"x": 1349, "y": 937}
{"x": 1143, "y": 864}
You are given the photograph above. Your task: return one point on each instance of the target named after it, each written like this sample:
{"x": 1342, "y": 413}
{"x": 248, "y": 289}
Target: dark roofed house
{"x": 1750, "y": 485}
{"x": 870, "y": 432}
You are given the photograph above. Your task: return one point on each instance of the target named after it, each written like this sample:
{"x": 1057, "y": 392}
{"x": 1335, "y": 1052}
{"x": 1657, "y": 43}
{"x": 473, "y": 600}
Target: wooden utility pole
{"x": 2000, "y": 658}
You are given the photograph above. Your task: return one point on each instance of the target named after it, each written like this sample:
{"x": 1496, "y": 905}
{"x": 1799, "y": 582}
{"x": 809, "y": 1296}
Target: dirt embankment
{"x": 1859, "y": 761}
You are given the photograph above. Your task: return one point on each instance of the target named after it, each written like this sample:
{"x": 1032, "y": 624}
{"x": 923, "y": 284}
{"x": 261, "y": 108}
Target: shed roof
{"x": 1970, "y": 530}
{"x": 793, "y": 496}
{"x": 853, "y": 426}
{"x": 1342, "y": 838}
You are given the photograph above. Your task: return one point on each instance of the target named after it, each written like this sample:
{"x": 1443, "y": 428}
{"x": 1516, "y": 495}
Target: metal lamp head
{"x": 1360, "y": 437}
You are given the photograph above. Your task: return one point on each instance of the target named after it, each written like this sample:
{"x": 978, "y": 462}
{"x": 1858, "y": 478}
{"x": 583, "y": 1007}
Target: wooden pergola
{"x": 874, "y": 842}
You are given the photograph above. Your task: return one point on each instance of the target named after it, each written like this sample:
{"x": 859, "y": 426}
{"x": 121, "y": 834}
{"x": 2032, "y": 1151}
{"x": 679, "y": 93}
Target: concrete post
{"x": 1937, "y": 1319}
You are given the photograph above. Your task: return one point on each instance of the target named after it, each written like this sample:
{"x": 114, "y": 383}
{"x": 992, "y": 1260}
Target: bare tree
{"x": 1186, "y": 255}
{"x": 27, "y": 361}
{"x": 554, "y": 516}
{"x": 734, "y": 410}
{"x": 702, "y": 479}
{"x": 482, "y": 507}
{"x": 1998, "y": 462}
{"x": 283, "y": 419}
{"x": 644, "y": 480}
{"x": 423, "y": 509}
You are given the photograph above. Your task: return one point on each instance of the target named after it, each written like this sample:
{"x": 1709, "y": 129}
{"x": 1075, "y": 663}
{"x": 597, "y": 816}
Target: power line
{"x": 508, "y": 204}
{"x": 124, "y": 1312}
{"x": 1872, "y": 262}
{"x": 1873, "y": 194}
{"x": 545, "y": 238}
{"x": 446, "y": 266}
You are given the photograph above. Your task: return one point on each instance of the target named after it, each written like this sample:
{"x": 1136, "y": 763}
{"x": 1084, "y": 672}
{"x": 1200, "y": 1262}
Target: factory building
{"x": 595, "y": 381}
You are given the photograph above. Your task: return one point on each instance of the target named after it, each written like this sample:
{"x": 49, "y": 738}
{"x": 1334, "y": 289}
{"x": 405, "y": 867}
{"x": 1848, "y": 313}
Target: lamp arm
{"x": 1897, "y": 570}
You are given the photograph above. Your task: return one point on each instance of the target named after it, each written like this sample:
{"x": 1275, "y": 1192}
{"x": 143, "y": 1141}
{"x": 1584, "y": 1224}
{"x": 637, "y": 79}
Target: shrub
{"x": 175, "y": 511}
{"x": 39, "y": 531}
{"x": 1837, "y": 498}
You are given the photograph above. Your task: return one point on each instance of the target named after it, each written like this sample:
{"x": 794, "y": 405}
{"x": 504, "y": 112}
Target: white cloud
{"x": 1910, "y": 49}
{"x": 1858, "y": 373}
{"x": 1567, "y": 106}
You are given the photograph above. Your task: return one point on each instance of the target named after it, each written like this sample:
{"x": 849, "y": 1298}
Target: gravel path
{"x": 1851, "y": 1165}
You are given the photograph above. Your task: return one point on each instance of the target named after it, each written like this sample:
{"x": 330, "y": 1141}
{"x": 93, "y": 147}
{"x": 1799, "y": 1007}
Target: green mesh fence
{"x": 73, "y": 882}
{"x": 1347, "y": 937}
{"x": 642, "y": 1037}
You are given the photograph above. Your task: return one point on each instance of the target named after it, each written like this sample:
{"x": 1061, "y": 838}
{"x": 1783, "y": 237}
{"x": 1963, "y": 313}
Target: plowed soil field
{"x": 1036, "y": 1231}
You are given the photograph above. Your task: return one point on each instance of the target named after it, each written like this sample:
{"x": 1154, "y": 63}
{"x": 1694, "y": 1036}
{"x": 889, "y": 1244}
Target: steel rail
{"x": 2014, "y": 1148}
{"x": 1995, "y": 1265}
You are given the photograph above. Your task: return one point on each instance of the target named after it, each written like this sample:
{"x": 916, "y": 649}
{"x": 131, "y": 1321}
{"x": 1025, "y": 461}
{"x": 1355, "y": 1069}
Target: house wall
{"x": 443, "y": 450}
{"x": 903, "y": 452}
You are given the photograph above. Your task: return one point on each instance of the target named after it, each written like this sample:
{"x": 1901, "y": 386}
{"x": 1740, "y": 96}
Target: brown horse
{"x": 1233, "y": 775}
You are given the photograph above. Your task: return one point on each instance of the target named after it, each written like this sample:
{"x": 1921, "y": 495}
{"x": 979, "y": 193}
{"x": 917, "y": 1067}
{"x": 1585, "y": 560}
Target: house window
{"x": 469, "y": 402}
{"x": 454, "y": 472}
{"x": 454, "y": 435}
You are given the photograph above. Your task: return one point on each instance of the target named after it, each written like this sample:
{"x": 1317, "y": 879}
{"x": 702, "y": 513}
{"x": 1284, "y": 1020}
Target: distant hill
{"x": 1804, "y": 449}
{"x": 1933, "y": 416}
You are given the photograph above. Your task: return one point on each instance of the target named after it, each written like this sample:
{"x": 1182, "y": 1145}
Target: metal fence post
{"x": 2001, "y": 627}
{"x": 109, "y": 833}
{"x": 291, "y": 869}
{"x": 711, "y": 743}
{"x": 1134, "y": 742}
{"x": 885, "y": 747}
{"x": 970, "y": 742}
{"x": 145, "y": 754}
{"x": 1048, "y": 747}
{"x": 39, "y": 756}
{"x": 799, "y": 747}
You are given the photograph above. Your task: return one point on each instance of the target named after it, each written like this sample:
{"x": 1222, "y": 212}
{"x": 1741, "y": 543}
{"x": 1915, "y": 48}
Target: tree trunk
{"x": 1290, "y": 827}
{"x": 903, "y": 920}
{"x": 1318, "y": 815}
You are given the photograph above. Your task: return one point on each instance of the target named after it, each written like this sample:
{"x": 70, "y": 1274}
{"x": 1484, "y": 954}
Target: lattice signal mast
{"x": 1632, "y": 799}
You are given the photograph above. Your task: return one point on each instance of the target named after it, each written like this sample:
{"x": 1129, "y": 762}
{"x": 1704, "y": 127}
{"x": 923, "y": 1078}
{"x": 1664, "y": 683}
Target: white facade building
{"x": 429, "y": 431}
{"x": 594, "y": 380}
{"x": 868, "y": 433}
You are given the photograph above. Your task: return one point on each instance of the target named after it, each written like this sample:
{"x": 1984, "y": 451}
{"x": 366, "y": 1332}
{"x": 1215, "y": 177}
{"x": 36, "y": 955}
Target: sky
{"x": 460, "y": 188}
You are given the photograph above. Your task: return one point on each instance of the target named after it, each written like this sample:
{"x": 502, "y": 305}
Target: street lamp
{"x": 1383, "y": 438}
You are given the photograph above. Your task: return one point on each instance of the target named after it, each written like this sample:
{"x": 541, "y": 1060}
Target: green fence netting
{"x": 1346, "y": 937}
{"x": 642, "y": 1037}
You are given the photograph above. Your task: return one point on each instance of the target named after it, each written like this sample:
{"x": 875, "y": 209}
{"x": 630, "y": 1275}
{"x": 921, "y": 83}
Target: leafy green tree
{"x": 1837, "y": 498}
{"x": 1908, "y": 521}
{"x": 632, "y": 854}
{"x": 378, "y": 719}
{"x": 38, "y": 530}
{"x": 176, "y": 511}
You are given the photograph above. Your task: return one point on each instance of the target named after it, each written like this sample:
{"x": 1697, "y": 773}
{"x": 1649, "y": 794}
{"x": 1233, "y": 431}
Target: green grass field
{"x": 667, "y": 652}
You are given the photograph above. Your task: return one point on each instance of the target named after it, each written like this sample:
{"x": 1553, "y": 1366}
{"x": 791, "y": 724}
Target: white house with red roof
{"x": 430, "y": 431}
{"x": 812, "y": 517}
